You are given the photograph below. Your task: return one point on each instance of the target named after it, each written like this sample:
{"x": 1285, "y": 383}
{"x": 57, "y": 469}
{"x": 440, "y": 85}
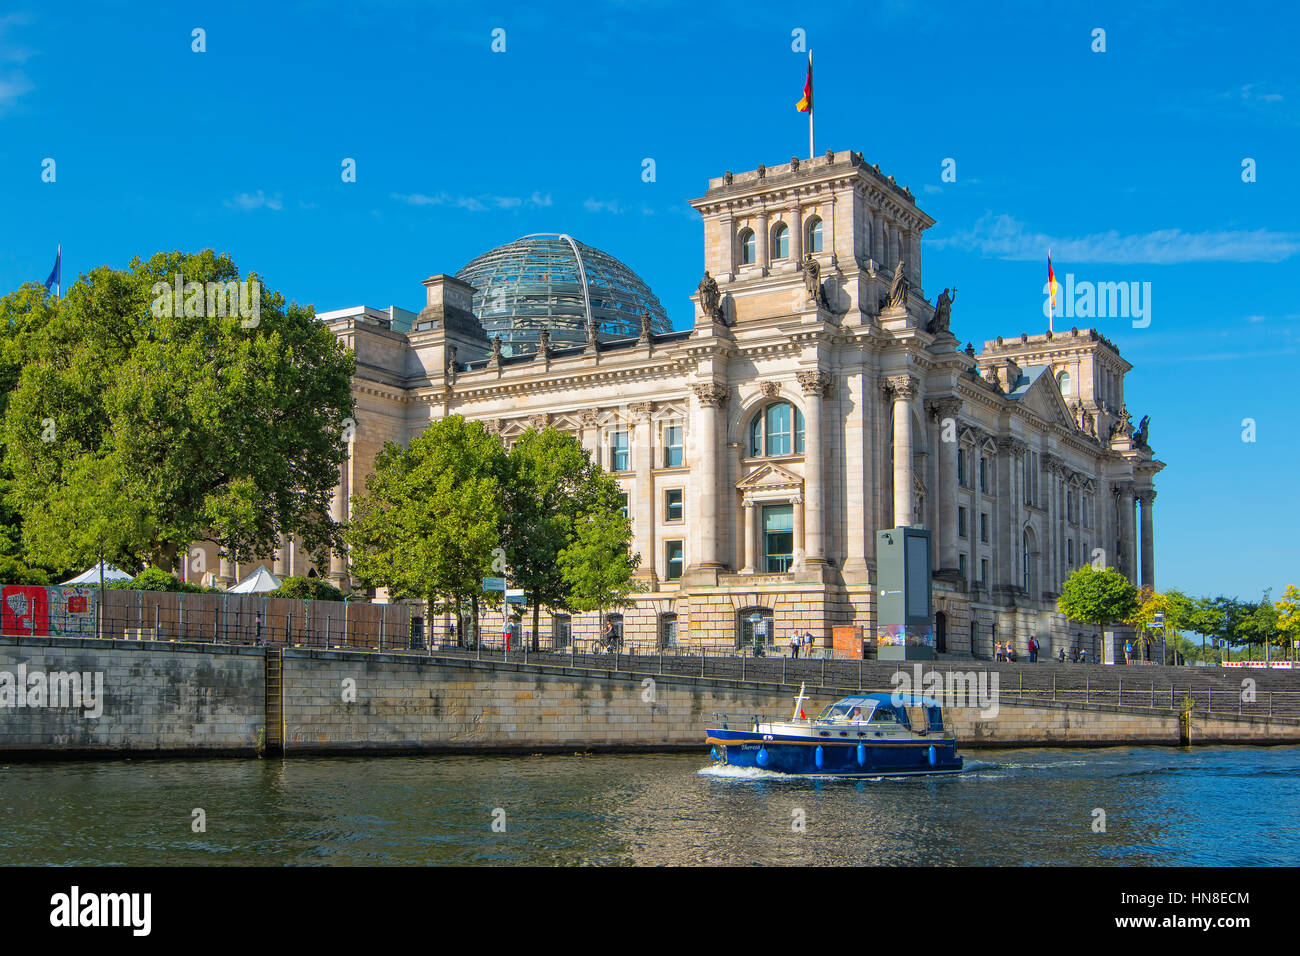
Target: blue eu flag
{"x": 56, "y": 274}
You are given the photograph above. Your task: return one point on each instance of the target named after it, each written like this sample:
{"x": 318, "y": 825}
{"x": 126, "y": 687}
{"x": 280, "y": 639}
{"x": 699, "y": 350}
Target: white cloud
{"x": 597, "y": 205}
{"x": 258, "y": 200}
{"x": 471, "y": 203}
{"x": 1004, "y": 237}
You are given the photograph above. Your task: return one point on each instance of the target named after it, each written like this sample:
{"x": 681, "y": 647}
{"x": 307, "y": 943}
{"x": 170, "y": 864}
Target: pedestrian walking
{"x": 794, "y": 645}
{"x": 1033, "y": 649}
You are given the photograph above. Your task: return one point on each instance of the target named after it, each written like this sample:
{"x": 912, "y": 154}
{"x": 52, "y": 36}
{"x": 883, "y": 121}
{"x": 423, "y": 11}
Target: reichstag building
{"x": 820, "y": 395}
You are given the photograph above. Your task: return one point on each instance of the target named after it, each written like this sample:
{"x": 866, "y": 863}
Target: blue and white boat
{"x": 866, "y": 735}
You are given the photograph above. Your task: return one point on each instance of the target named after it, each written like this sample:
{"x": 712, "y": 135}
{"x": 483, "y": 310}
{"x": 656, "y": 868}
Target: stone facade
{"x": 819, "y": 400}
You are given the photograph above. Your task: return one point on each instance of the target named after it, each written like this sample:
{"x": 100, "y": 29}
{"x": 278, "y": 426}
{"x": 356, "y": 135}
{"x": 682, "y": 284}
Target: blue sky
{"x": 1128, "y": 163}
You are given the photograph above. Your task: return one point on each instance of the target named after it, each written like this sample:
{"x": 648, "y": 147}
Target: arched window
{"x": 776, "y": 430}
{"x": 814, "y": 243}
{"x": 780, "y": 241}
{"x": 750, "y": 620}
{"x": 1025, "y": 540}
{"x": 1063, "y": 380}
{"x": 746, "y": 247}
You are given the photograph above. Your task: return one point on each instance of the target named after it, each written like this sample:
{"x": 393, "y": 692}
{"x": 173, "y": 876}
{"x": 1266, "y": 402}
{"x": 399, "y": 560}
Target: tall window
{"x": 1064, "y": 381}
{"x": 747, "y": 255}
{"x": 673, "y": 506}
{"x": 961, "y": 522}
{"x": 777, "y": 430}
{"x": 778, "y": 538}
{"x": 623, "y": 509}
{"x": 780, "y": 241}
{"x": 814, "y": 235}
{"x": 667, "y": 631}
{"x": 984, "y": 571}
{"x": 961, "y": 564}
{"x": 961, "y": 467}
{"x": 620, "y": 457}
{"x": 672, "y": 560}
{"x": 984, "y": 474}
{"x": 674, "y": 448}
{"x": 984, "y": 527}
{"x": 562, "y": 628}
{"x": 1025, "y": 546}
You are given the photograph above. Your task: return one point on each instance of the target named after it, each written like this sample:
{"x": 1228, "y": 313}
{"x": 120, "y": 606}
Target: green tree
{"x": 140, "y": 424}
{"x": 598, "y": 566}
{"x": 306, "y": 589}
{"x": 1172, "y": 604}
{"x": 550, "y": 485}
{"x": 429, "y": 521}
{"x": 1258, "y": 626}
{"x": 1288, "y": 618}
{"x": 1099, "y": 597}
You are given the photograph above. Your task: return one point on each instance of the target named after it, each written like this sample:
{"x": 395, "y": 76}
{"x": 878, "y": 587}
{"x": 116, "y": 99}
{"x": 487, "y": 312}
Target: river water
{"x": 1228, "y": 806}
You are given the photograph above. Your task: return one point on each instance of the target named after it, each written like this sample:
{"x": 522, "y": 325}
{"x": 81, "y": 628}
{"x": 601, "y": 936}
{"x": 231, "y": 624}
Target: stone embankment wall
{"x": 211, "y": 699}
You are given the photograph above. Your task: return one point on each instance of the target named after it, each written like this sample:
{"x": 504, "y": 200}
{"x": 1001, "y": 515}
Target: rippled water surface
{"x": 1207, "y": 806}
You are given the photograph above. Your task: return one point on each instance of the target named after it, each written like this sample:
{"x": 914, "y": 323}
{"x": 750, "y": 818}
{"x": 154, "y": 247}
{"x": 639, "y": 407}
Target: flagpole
{"x": 1051, "y": 296}
{"x": 811, "y": 107}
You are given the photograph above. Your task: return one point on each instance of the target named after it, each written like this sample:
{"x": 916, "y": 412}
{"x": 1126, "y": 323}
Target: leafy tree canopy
{"x": 306, "y": 589}
{"x": 143, "y": 421}
{"x": 1097, "y": 596}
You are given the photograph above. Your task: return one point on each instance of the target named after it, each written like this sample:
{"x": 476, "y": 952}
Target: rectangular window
{"x": 984, "y": 527}
{"x": 778, "y": 538}
{"x": 961, "y": 522}
{"x": 623, "y": 508}
{"x": 961, "y": 564}
{"x": 674, "y": 447}
{"x": 779, "y": 429}
{"x": 984, "y": 475}
{"x": 984, "y": 571}
{"x": 621, "y": 459}
{"x": 672, "y": 560}
{"x": 961, "y": 467}
{"x": 562, "y": 628}
{"x": 673, "y": 507}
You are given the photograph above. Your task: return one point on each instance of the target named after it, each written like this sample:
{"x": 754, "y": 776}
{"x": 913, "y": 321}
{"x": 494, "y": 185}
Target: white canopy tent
{"x": 91, "y": 576}
{"x": 259, "y": 582}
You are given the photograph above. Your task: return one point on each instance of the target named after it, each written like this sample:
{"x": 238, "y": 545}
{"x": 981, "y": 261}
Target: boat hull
{"x": 915, "y": 756}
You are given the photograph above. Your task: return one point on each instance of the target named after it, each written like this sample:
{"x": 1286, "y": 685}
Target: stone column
{"x": 796, "y": 234}
{"x": 729, "y": 234}
{"x": 279, "y": 563}
{"x": 815, "y": 384}
{"x": 749, "y": 515}
{"x": 1148, "y": 499}
{"x": 944, "y": 411}
{"x": 226, "y": 572}
{"x": 902, "y": 389}
{"x": 642, "y": 504}
{"x": 761, "y": 247}
{"x": 710, "y": 397}
{"x": 799, "y": 529}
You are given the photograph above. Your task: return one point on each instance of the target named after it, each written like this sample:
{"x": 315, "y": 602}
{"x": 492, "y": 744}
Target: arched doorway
{"x": 941, "y": 632}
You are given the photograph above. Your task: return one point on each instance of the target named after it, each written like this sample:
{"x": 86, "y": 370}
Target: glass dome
{"x": 552, "y": 281}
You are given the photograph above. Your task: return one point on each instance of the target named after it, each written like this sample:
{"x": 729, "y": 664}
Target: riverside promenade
{"x": 170, "y": 698}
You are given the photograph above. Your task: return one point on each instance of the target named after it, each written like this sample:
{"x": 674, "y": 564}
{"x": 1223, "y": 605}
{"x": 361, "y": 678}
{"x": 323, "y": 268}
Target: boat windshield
{"x": 842, "y": 712}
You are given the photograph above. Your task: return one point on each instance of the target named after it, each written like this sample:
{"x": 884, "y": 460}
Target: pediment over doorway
{"x": 770, "y": 478}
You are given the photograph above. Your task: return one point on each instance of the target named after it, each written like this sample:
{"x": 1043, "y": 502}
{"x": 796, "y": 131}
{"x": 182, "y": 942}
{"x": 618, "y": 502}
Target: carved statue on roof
{"x": 898, "y": 287}
{"x": 1143, "y": 433}
{"x": 710, "y": 297}
{"x": 812, "y": 280}
{"x": 942, "y": 312}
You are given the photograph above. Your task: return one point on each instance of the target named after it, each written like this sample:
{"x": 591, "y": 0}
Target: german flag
{"x": 805, "y": 104}
{"x": 1051, "y": 279}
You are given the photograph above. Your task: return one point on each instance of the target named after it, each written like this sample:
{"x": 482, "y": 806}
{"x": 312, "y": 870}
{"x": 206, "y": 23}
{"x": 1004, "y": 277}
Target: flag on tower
{"x": 805, "y": 105}
{"x": 1052, "y": 286}
{"x": 56, "y": 274}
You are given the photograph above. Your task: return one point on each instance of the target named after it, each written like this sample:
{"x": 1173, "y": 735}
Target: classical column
{"x": 796, "y": 233}
{"x": 729, "y": 234}
{"x": 710, "y": 397}
{"x": 226, "y": 572}
{"x": 1148, "y": 499}
{"x": 799, "y": 529}
{"x": 764, "y": 254}
{"x": 642, "y": 503}
{"x": 815, "y": 384}
{"x": 279, "y": 563}
{"x": 749, "y": 515}
{"x": 902, "y": 389}
{"x": 944, "y": 411}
